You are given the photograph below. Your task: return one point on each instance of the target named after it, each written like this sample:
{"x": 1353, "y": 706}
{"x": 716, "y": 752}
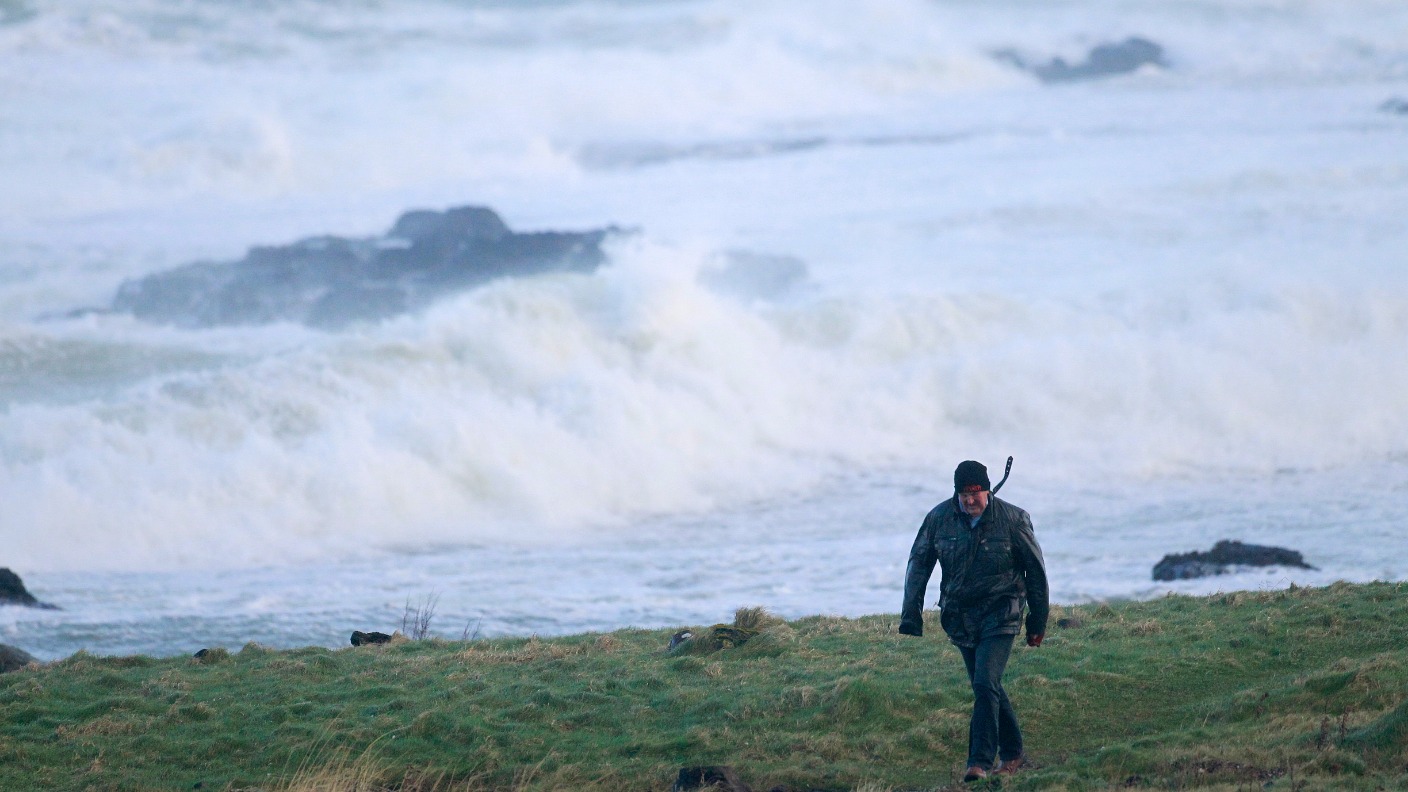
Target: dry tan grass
{"x": 532, "y": 650}
{"x": 757, "y": 619}
{"x": 1146, "y": 627}
{"x": 367, "y": 774}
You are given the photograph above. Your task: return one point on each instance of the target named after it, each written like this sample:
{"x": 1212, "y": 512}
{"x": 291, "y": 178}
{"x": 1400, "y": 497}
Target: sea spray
{"x": 580, "y": 399}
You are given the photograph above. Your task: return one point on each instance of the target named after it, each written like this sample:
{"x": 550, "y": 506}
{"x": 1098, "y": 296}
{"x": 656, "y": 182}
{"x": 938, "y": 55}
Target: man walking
{"x": 991, "y": 566}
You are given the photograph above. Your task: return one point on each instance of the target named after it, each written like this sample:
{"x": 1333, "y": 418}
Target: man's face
{"x": 973, "y": 503}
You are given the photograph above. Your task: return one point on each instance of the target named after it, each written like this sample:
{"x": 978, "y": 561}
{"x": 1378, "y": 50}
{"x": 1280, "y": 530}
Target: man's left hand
{"x": 1035, "y": 640}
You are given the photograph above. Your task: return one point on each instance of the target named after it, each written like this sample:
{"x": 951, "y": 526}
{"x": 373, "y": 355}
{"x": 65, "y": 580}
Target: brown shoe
{"x": 1011, "y": 766}
{"x": 975, "y": 773}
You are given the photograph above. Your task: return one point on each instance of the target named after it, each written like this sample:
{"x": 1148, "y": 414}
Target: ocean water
{"x": 1178, "y": 296}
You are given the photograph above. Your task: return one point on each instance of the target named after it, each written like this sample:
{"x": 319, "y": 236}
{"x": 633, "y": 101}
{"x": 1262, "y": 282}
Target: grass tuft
{"x": 755, "y": 619}
{"x": 1389, "y": 731}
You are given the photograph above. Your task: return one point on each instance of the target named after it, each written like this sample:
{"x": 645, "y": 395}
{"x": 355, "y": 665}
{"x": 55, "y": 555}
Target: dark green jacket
{"x": 989, "y": 572}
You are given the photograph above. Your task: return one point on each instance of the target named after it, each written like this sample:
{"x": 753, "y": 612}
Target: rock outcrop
{"x": 13, "y": 592}
{"x": 13, "y": 658}
{"x": 1222, "y": 558}
{"x": 332, "y": 281}
{"x": 1104, "y": 60}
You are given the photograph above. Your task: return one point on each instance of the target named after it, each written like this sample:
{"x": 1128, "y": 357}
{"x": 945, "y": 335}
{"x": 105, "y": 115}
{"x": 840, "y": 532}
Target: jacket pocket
{"x": 947, "y": 549}
{"x": 995, "y": 555}
{"x": 954, "y": 627}
{"x": 1003, "y": 617}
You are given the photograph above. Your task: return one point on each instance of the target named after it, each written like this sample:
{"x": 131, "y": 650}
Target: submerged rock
{"x": 13, "y": 592}
{"x": 13, "y": 658}
{"x": 753, "y": 276}
{"x": 332, "y": 281}
{"x": 1224, "y": 555}
{"x": 1104, "y": 60}
{"x": 1395, "y": 105}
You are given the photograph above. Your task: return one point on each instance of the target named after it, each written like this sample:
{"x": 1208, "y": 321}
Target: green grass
{"x": 1303, "y": 689}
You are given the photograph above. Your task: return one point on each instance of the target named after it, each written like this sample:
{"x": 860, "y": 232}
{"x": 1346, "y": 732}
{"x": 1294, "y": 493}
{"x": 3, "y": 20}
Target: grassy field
{"x": 1305, "y": 688}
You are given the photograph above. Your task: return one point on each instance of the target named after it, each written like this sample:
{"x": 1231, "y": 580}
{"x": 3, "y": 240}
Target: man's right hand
{"x": 1035, "y": 640}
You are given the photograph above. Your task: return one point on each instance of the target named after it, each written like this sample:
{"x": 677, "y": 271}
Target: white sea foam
{"x": 578, "y": 400}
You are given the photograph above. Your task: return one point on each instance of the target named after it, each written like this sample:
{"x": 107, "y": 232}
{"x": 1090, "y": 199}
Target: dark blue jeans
{"x": 993, "y": 729}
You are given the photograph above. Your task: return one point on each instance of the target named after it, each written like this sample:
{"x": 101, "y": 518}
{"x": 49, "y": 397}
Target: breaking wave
{"x": 540, "y": 406}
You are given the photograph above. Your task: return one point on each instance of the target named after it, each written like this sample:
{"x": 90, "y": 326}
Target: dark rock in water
{"x": 332, "y": 281}
{"x": 748, "y": 275}
{"x": 360, "y": 638}
{"x": 13, "y": 592}
{"x": 13, "y": 658}
{"x": 718, "y": 777}
{"x": 1224, "y": 554}
{"x": 1104, "y": 60}
{"x": 1395, "y": 105}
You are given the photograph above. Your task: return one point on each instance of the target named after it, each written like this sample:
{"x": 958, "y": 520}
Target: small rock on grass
{"x": 360, "y": 638}
{"x": 711, "y": 777}
{"x": 212, "y": 656}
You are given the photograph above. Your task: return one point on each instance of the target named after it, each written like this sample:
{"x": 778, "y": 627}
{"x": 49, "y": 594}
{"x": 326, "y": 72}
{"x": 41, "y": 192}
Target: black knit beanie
{"x": 971, "y": 476}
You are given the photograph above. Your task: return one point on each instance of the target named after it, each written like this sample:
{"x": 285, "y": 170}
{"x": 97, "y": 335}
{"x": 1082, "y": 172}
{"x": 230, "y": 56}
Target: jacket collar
{"x": 969, "y": 522}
